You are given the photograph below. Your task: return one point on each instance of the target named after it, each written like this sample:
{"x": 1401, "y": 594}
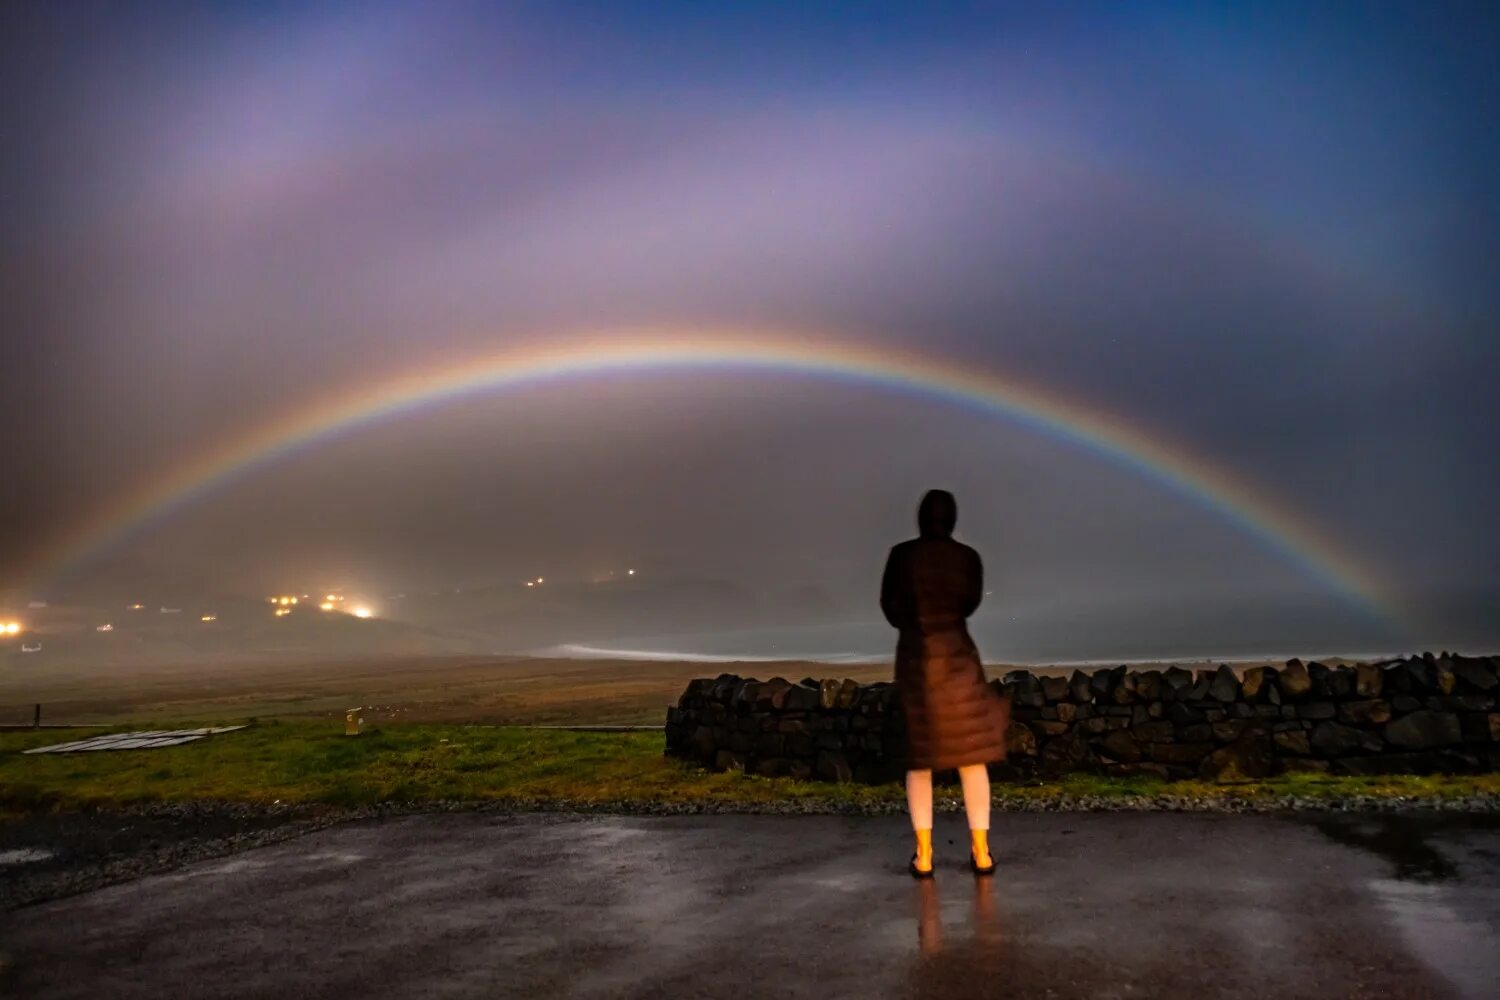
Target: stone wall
{"x": 1418, "y": 715}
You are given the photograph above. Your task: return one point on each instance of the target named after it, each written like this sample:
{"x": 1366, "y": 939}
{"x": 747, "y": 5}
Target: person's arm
{"x": 974, "y": 584}
{"x": 893, "y": 600}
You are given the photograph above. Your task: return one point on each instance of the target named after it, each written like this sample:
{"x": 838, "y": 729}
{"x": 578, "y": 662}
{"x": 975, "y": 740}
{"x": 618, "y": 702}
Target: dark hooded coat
{"x": 930, "y": 586}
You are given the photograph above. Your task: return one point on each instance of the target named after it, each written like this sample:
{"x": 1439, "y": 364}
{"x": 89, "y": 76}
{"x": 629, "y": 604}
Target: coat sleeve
{"x": 895, "y": 603}
{"x": 973, "y": 584}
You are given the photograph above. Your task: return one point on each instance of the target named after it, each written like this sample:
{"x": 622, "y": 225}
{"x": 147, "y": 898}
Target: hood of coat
{"x": 937, "y": 515}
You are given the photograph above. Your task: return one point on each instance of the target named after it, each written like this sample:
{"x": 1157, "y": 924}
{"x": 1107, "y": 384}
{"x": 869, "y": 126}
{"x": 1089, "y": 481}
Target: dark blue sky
{"x": 1267, "y": 230}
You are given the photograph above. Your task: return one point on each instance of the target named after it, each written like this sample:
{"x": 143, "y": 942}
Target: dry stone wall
{"x": 1422, "y": 714}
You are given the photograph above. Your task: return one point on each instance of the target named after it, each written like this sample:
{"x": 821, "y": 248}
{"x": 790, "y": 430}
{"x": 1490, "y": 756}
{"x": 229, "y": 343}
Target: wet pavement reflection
{"x": 964, "y": 945}
{"x": 815, "y": 907}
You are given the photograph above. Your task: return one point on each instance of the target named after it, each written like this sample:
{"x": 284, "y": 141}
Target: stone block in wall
{"x": 1317, "y": 710}
{"x": 701, "y": 744}
{"x": 770, "y": 745}
{"x": 1475, "y": 726}
{"x": 1369, "y": 680}
{"x": 833, "y": 765}
{"x": 828, "y": 693}
{"x": 1225, "y": 686}
{"x": 1364, "y": 713}
{"x": 1093, "y": 724}
{"x": 800, "y": 699}
{"x": 1064, "y": 754}
{"x": 1116, "y": 722}
{"x": 773, "y": 694}
{"x": 847, "y": 690}
{"x": 1475, "y": 674}
{"x": 1341, "y": 682}
{"x": 1248, "y": 757}
{"x": 1202, "y": 681}
{"x": 1154, "y": 731}
{"x": 1102, "y": 684}
{"x": 1459, "y": 703}
{"x": 1020, "y": 740}
{"x": 1120, "y": 746}
{"x": 876, "y": 772}
{"x": 1229, "y": 730}
{"x": 1176, "y": 682}
{"x": 1443, "y": 678}
{"x": 1183, "y": 714}
{"x": 1054, "y": 689}
{"x": 1080, "y": 687}
{"x": 1044, "y": 728}
{"x": 1197, "y": 733}
{"x": 1179, "y": 753}
{"x": 1252, "y": 682}
{"x": 1292, "y": 741}
{"x": 1424, "y": 729}
{"x": 770, "y": 767}
{"x": 729, "y": 760}
{"x": 1293, "y": 680}
{"x": 799, "y": 770}
{"x": 1026, "y": 691}
{"x": 1066, "y": 711}
{"x": 1148, "y": 685}
{"x": 1335, "y": 739}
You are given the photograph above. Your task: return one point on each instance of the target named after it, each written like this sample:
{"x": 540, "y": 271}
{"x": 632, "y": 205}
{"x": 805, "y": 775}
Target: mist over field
{"x": 1233, "y": 270}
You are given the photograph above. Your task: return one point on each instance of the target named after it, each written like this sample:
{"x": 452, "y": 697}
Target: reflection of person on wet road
{"x": 931, "y": 585}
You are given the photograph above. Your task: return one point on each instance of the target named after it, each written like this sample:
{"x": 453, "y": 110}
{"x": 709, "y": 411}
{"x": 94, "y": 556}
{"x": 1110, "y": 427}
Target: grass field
{"x": 510, "y": 690}
{"x": 305, "y": 761}
{"x": 504, "y": 690}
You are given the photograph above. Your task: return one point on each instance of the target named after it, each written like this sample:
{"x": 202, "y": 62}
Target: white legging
{"x": 976, "y": 781}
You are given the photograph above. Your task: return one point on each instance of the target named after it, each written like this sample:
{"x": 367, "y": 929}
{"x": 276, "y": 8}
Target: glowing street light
{"x": 362, "y": 612}
{"x": 10, "y": 628}
{"x": 106, "y": 627}
{"x": 209, "y": 618}
{"x": 630, "y": 572}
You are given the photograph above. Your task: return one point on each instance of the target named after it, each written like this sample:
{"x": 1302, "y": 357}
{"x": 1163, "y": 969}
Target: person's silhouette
{"x": 954, "y": 719}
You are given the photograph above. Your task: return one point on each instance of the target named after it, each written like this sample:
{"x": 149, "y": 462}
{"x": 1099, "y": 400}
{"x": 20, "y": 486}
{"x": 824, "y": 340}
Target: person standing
{"x": 954, "y": 719}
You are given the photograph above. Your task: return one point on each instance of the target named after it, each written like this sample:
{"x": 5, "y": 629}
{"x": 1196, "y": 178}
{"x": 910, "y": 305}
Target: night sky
{"x": 1269, "y": 232}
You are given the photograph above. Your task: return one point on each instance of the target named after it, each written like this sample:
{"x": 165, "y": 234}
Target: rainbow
{"x": 1214, "y": 486}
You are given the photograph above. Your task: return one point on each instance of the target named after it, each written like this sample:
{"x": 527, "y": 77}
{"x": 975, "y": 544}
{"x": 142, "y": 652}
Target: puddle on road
{"x": 1401, "y": 840}
{"x": 1427, "y": 897}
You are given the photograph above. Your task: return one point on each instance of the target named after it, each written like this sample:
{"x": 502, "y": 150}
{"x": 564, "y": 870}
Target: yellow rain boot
{"x": 980, "y": 862}
{"x": 921, "y": 861}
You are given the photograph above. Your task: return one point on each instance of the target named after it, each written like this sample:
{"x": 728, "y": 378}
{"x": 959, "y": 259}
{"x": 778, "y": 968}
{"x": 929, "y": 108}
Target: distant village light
{"x": 362, "y": 612}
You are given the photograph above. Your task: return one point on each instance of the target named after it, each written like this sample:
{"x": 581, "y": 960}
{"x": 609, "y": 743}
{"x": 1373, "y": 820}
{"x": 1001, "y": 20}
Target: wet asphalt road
{"x": 1084, "y": 905}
